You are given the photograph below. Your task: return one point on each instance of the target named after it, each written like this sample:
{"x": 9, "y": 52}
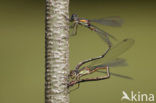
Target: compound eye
{"x": 72, "y": 18}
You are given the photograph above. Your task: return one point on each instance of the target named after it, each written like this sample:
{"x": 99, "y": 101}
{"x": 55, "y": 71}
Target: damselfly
{"x": 108, "y": 21}
{"x": 110, "y": 60}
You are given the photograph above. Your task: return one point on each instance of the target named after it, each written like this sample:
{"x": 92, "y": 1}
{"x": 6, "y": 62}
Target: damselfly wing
{"x": 114, "y": 21}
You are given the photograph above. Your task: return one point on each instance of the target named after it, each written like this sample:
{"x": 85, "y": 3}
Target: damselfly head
{"x": 72, "y": 74}
{"x": 74, "y": 17}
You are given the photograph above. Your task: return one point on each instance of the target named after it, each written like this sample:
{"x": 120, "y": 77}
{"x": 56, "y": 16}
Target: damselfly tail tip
{"x": 125, "y": 40}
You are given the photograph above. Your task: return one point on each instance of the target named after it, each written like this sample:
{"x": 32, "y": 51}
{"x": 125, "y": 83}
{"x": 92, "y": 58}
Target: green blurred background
{"x": 22, "y": 50}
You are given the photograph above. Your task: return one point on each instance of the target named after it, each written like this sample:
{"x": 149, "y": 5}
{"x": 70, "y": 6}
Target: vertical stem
{"x": 56, "y": 51}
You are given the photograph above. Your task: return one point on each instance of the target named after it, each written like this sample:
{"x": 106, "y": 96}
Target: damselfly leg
{"x": 110, "y": 60}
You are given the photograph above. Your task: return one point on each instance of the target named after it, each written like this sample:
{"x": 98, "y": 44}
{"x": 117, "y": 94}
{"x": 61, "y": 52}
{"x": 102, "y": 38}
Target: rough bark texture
{"x": 57, "y": 51}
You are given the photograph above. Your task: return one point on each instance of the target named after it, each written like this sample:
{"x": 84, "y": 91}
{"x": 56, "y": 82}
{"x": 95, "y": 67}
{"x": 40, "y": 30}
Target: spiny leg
{"x": 74, "y": 27}
{"x": 76, "y": 82}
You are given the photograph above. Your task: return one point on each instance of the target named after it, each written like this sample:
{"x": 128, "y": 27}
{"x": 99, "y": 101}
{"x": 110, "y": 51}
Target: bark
{"x": 56, "y": 51}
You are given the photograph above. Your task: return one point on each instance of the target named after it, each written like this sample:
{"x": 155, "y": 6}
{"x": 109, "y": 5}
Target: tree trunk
{"x": 56, "y": 51}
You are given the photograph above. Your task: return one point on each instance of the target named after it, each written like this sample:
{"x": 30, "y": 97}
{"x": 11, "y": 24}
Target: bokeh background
{"x": 22, "y": 49}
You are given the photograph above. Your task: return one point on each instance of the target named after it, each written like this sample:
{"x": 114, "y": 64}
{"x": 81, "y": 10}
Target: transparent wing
{"x": 109, "y": 21}
{"x": 115, "y": 62}
{"x": 114, "y": 52}
{"x": 104, "y": 35}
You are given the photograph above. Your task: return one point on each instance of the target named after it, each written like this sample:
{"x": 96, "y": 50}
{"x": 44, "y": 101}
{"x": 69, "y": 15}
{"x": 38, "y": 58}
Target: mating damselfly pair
{"x": 109, "y": 59}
